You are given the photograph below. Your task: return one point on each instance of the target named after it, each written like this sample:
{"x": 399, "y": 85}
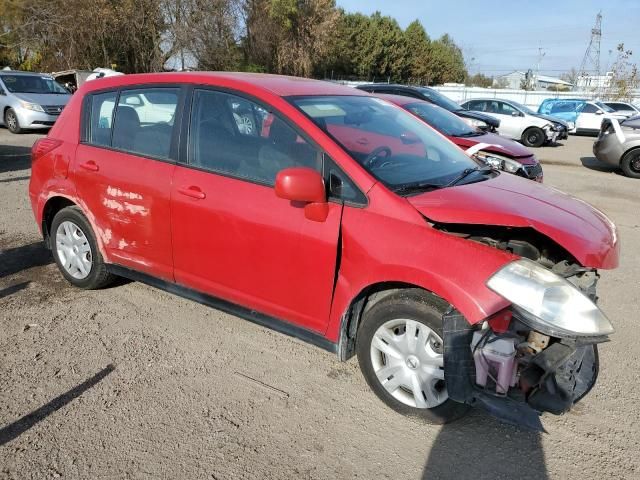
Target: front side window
{"x": 144, "y": 121}
{"x": 237, "y": 137}
{"x": 32, "y": 84}
{"x": 393, "y": 145}
{"x": 589, "y": 108}
{"x": 506, "y": 109}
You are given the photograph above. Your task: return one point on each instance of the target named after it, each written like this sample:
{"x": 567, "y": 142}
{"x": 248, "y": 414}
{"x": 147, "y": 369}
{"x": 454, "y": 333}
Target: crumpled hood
{"x": 44, "y": 98}
{"x": 500, "y": 145}
{"x": 508, "y": 200}
{"x": 552, "y": 119}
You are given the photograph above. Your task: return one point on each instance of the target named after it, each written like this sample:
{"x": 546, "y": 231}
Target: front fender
{"x": 381, "y": 249}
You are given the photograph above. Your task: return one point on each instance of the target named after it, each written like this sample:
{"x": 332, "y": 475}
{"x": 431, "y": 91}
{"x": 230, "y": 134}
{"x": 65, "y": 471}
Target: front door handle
{"x": 193, "y": 192}
{"x": 90, "y": 165}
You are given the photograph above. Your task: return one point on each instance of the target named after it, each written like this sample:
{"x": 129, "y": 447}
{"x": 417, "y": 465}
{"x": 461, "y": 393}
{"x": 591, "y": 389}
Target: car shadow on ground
{"x": 480, "y": 447}
{"x": 17, "y": 428}
{"x": 593, "y": 163}
{"x": 24, "y": 257}
{"x": 14, "y": 158}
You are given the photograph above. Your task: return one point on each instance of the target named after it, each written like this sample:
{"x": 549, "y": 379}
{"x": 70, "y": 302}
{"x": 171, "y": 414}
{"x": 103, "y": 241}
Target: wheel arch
{"x": 362, "y": 302}
{"x": 53, "y": 205}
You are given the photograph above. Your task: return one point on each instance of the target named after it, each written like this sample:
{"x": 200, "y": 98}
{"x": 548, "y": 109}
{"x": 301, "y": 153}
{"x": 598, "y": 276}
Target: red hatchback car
{"x": 336, "y": 217}
{"x": 497, "y": 151}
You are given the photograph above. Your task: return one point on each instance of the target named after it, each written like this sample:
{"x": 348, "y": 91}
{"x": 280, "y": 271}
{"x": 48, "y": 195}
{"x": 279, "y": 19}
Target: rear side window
{"x": 144, "y": 121}
{"x": 102, "y": 107}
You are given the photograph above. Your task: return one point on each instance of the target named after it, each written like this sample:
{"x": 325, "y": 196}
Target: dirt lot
{"x": 131, "y": 382}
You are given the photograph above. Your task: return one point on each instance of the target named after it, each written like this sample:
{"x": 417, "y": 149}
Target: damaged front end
{"x": 539, "y": 355}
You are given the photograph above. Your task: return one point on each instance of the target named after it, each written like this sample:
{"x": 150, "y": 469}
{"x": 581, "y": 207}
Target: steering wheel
{"x": 374, "y": 156}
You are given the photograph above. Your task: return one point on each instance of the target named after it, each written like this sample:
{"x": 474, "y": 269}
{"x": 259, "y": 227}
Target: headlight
{"x": 571, "y": 125}
{"x": 555, "y": 306}
{"x": 32, "y": 106}
{"x": 474, "y": 122}
{"x": 499, "y": 162}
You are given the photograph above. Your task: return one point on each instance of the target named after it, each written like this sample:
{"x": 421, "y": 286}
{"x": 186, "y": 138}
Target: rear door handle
{"x": 193, "y": 192}
{"x": 90, "y": 165}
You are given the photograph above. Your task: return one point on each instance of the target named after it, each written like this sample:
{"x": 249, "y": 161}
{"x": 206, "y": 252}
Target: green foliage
{"x": 297, "y": 37}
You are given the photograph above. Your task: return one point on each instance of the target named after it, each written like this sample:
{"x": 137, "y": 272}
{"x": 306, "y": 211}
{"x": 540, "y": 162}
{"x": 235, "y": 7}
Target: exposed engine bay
{"x": 511, "y": 369}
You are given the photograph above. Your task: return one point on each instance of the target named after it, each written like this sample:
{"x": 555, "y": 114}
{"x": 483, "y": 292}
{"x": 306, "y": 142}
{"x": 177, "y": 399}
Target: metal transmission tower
{"x": 591, "y": 60}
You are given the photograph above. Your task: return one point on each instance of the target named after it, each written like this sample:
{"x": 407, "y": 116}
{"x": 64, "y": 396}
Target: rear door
{"x": 123, "y": 172}
{"x": 232, "y": 237}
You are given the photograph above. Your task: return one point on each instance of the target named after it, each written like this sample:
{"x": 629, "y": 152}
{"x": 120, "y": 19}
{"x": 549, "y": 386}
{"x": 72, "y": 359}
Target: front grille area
{"x": 533, "y": 171}
{"x": 53, "y": 109}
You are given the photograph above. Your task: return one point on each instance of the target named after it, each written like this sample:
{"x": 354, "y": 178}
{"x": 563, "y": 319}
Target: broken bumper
{"x": 554, "y": 380}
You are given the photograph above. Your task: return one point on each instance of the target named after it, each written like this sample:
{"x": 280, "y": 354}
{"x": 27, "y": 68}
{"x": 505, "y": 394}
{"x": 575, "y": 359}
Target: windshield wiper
{"x": 466, "y": 172}
{"x": 417, "y": 187}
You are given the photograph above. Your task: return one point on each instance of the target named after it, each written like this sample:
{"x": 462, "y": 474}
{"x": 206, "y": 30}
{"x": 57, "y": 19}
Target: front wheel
{"x": 630, "y": 163}
{"x": 400, "y": 351}
{"x": 11, "y": 121}
{"x": 533, "y": 137}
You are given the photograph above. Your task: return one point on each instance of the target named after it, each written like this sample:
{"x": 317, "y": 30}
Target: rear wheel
{"x": 400, "y": 351}
{"x": 75, "y": 250}
{"x": 630, "y": 163}
{"x": 533, "y": 137}
{"x": 11, "y": 121}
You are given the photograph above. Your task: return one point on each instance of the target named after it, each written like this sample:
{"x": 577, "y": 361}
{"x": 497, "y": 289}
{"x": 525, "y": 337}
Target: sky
{"x": 501, "y": 36}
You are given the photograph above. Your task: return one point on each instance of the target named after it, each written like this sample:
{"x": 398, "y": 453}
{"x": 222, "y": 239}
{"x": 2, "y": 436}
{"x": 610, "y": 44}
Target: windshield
{"x": 440, "y": 100}
{"x": 32, "y": 84}
{"x": 440, "y": 119}
{"x": 522, "y": 108}
{"x": 604, "y": 107}
{"x": 393, "y": 145}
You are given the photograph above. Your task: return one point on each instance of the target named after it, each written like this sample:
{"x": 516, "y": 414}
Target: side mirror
{"x": 304, "y": 186}
{"x": 2, "y": 92}
{"x": 516, "y": 114}
{"x": 599, "y": 112}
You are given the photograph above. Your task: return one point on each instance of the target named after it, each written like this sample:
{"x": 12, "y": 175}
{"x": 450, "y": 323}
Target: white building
{"x": 515, "y": 80}
{"x": 594, "y": 82}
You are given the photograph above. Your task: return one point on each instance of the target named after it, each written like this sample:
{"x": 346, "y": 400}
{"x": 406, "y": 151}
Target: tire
{"x": 533, "y": 137}
{"x": 420, "y": 312}
{"x": 630, "y": 163}
{"x": 11, "y": 121}
{"x": 76, "y": 252}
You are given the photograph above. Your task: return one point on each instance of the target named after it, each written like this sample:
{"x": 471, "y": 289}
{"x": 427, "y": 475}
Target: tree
{"x": 289, "y": 36}
{"x": 419, "y": 58}
{"x": 447, "y": 61}
{"x": 479, "y": 80}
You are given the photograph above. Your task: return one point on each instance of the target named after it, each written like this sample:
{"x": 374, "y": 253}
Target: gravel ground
{"x": 132, "y": 382}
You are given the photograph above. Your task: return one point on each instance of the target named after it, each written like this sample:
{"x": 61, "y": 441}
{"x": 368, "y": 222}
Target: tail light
{"x": 43, "y": 146}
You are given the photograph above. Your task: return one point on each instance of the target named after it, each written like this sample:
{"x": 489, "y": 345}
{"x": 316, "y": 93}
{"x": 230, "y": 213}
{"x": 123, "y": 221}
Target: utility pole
{"x": 591, "y": 59}
{"x": 541, "y": 53}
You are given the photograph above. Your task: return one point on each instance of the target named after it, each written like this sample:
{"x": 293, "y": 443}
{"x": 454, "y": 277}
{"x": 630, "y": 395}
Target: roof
{"x": 280, "y": 85}
{"x": 21, "y": 72}
{"x": 400, "y": 99}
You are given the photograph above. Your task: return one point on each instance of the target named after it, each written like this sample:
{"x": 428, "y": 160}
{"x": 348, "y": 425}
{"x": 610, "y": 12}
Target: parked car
{"x": 473, "y": 119}
{"x": 497, "y": 151}
{"x": 586, "y": 115}
{"x": 625, "y": 108}
{"x": 520, "y": 123}
{"x": 618, "y": 144}
{"x": 348, "y": 223}
{"x": 30, "y": 100}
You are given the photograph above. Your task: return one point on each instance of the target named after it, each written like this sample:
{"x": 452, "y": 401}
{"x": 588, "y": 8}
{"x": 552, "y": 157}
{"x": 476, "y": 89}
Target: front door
{"x": 589, "y": 118}
{"x": 123, "y": 172}
{"x": 232, "y": 237}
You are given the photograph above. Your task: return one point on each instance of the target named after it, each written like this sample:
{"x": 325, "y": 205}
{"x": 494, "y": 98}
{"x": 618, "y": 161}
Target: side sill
{"x": 262, "y": 319}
